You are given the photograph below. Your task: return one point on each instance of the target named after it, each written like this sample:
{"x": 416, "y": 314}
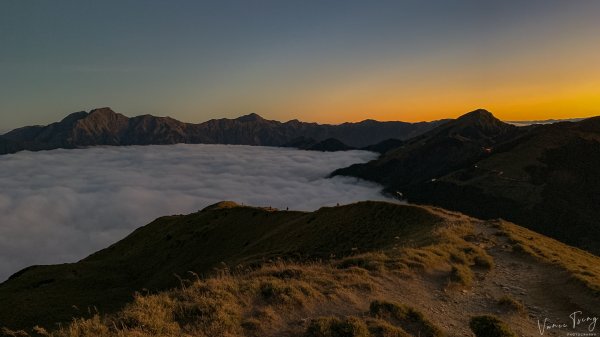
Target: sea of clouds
{"x": 59, "y": 206}
{"x": 544, "y": 121}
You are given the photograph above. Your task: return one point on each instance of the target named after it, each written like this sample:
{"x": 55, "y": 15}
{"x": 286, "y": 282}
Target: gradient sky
{"x": 325, "y": 61}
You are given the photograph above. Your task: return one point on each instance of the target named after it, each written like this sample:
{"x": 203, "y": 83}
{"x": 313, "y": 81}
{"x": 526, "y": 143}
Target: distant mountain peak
{"x": 102, "y": 111}
{"x": 478, "y": 114}
{"x": 74, "y": 117}
{"x": 253, "y": 117}
{"x": 482, "y": 120}
{"x": 368, "y": 121}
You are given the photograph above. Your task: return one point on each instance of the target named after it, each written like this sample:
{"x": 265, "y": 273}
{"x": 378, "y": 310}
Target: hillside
{"x": 384, "y": 146}
{"x": 327, "y": 145}
{"x": 7, "y": 146}
{"x": 106, "y": 127}
{"x": 150, "y": 256}
{"x": 542, "y": 176}
{"x": 377, "y": 269}
{"x": 444, "y": 149}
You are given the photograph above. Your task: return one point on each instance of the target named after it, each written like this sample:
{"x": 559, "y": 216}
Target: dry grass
{"x": 336, "y": 327}
{"x": 406, "y": 317}
{"x": 318, "y": 298}
{"x": 490, "y": 326}
{"x": 275, "y": 297}
{"x": 461, "y": 275}
{"x": 510, "y": 304}
{"x": 583, "y": 266}
{"x": 452, "y": 252}
{"x": 271, "y": 298}
{"x": 225, "y": 233}
{"x": 381, "y": 328}
{"x": 257, "y": 303}
{"x": 384, "y": 319}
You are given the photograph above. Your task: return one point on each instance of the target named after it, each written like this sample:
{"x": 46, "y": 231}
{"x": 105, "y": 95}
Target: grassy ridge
{"x": 581, "y": 265}
{"x": 224, "y": 234}
{"x": 341, "y": 296}
{"x": 334, "y": 272}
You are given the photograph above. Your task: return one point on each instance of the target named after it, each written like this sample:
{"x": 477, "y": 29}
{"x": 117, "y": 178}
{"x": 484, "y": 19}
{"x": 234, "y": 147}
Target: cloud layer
{"x": 545, "y": 121}
{"x": 59, "y": 206}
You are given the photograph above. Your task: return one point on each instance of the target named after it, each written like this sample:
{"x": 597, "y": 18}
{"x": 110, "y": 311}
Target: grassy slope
{"x": 581, "y": 265}
{"x": 371, "y": 294}
{"x": 151, "y": 256}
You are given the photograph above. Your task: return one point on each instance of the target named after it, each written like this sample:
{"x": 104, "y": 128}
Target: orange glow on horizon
{"x": 557, "y": 108}
{"x": 580, "y": 102}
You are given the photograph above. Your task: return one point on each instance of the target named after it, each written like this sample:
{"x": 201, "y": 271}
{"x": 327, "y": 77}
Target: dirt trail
{"x": 545, "y": 290}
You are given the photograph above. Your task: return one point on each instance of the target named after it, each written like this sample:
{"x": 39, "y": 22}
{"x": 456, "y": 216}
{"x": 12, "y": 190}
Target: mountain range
{"x": 540, "y": 176}
{"x": 105, "y": 127}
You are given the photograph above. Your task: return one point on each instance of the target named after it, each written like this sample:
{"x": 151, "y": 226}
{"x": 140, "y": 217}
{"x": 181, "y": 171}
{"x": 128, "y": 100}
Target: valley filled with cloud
{"x": 59, "y": 206}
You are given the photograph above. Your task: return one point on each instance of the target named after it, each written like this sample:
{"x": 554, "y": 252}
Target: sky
{"x": 324, "y": 61}
{"x": 59, "y": 206}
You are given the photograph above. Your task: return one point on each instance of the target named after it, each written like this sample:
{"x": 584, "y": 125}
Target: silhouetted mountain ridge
{"x": 539, "y": 176}
{"x": 385, "y": 146}
{"x": 105, "y": 127}
{"x": 327, "y": 145}
{"x": 437, "y": 152}
{"x": 7, "y": 146}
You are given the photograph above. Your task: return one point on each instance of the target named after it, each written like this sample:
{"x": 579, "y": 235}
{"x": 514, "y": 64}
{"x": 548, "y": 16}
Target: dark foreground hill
{"x": 105, "y": 127}
{"x": 366, "y": 269}
{"x": 542, "y": 176}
